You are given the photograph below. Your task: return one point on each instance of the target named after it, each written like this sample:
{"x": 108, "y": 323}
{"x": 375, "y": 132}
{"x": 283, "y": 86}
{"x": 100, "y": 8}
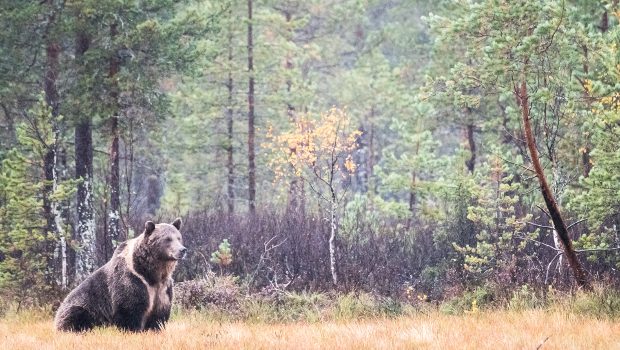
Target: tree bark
{"x": 230, "y": 165}
{"x": 49, "y": 161}
{"x": 471, "y": 162}
{"x": 332, "y": 240}
{"x": 114, "y": 219}
{"x": 370, "y": 161}
{"x": 412, "y": 191}
{"x": 296, "y": 200}
{"x": 85, "y": 258}
{"x": 128, "y": 162}
{"x": 552, "y": 207}
{"x": 12, "y": 134}
{"x": 251, "y": 148}
{"x": 50, "y": 206}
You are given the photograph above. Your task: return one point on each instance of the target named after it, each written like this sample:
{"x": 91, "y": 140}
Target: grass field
{"x": 486, "y": 330}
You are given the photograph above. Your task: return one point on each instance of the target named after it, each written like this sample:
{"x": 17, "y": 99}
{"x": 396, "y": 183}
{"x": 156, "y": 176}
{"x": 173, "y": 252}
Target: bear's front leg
{"x": 157, "y": 320}
{"x": 127, "y": 319}
{"x": 130, "y": 305}
{"x": 161, "y": 313}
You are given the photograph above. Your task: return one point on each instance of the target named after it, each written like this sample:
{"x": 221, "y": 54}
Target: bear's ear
{"x": 149, "y": 227}
{"x": 177, "y": 223}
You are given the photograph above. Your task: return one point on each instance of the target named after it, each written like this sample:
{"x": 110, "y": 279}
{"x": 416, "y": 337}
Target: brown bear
{"x": 133, "y": 291}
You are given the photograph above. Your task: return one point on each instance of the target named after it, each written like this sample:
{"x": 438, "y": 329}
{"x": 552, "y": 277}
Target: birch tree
{"x": 322, "y": 154}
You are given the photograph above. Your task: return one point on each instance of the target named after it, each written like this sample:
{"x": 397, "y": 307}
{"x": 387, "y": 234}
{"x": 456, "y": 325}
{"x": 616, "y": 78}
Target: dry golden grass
{"x": 487, "y": 330}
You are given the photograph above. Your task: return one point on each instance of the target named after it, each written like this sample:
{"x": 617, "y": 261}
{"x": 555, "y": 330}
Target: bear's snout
{"x": 180, "y": 253}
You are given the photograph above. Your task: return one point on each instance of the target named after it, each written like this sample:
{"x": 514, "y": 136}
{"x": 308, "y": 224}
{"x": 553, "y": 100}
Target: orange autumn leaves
{"x": 321, "y": 146}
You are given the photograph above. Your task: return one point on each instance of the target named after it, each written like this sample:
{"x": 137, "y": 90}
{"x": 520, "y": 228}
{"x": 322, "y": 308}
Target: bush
{"x": 217, "y": 293}
{"x": 525, "y": 298}
{"x": 280, "y": 306}
{"x": 603, "y": 303}
{"x": 221, "y": 298}
{"x": 469, "y": 302}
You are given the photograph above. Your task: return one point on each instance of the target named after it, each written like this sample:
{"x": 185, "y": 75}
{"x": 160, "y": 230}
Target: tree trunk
{"x": 85, "y": 258}
{"x": 251, "y": 150}
{"x": 296, "y": 200}
{"x": 332, "y": 240}
{"x": 552, "y": 207}
{"x": 230, "y": 165}
{"x": 85, "y": 229}
{"x": 128, "y": 162}
{"x": 49, "y": 161}
{"x": 114, "y": 218}
{"x": 585, "y": 150}
{"x": 370, "y": 161}
{"x": 51, "y": 207}
{"x": 471, "y": 162}
{"x": 10, "y": 125}
{"x": 412, "y": 191}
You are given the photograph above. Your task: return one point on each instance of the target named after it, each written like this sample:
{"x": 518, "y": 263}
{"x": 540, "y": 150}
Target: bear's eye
{"x": 168, "y": 239}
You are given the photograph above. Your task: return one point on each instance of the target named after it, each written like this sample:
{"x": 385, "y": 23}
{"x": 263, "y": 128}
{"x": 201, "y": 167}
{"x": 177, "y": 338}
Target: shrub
{"x": 600, "y": 303}
{"x": 525, "y": 298}
{"x": 217, "y": 292}
{"x": 471, "y": 301}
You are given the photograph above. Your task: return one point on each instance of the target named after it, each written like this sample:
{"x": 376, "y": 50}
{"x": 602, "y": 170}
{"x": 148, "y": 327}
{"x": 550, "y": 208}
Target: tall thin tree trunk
{"x": 52, "y": 207}
{"x": 49, "y": 161}
{"x": 129, "y": 156}
{"x": 12, "y": 134}
{"x": 370, "y": 161}
{"x": 230, "y": 162}
{"x": 85, "y": 257}
{"x": 251, "y": 148}
{"x": 114, "y": 218}
{"x": 552, "y": 207}
{"x": 332, "y": 240}
{"x": 412, "y": 191}
{"x": 585, "y": 150}
{"x": 296, "y": 200}
{"x": 471, "y": 162}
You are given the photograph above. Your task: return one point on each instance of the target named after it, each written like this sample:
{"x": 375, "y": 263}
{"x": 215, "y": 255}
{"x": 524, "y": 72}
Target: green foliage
{"x": 601, "y": 244}
{"x": 603, "y": 303}
{"x": 219, "y": 298}
{"x": 469, "y": 302}
{"x": 26, "y": 247}
{"x": 223, "y": 255}
{"x": 437, "y": 168}
{"x": 364, "y": 305}
{"x": 526, "y": 298}
{"x": 500, "y": 233}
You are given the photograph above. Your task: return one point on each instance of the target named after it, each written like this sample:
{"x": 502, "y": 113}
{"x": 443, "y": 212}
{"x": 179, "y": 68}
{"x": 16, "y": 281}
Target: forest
{"x": 451, "y": 155}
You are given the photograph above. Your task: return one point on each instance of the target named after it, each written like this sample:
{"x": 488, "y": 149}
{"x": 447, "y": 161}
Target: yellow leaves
{"x": 612, "y": 101}
{"x": 587, "y": 85}
{"x": 349, "y": 165}
{"x": 318, "y": 144}
{"x": 474, "y": 307}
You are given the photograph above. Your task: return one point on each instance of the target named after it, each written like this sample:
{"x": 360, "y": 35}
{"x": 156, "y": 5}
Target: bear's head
{"x": 164, "y": 240}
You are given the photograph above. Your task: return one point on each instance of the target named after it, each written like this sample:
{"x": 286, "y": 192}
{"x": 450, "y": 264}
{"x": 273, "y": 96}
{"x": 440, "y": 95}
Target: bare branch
{"x": 540, "y": 226}
{"x": 576, "y": 223}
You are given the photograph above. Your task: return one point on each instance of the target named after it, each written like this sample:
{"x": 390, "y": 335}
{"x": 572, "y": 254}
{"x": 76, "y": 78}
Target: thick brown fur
{"x": 133, "y": 291}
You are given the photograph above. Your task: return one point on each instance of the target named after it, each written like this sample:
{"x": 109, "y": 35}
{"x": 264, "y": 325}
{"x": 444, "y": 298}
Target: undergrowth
{"x": 223, "y": 298}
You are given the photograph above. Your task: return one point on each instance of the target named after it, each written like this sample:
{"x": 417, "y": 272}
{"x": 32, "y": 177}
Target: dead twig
{"x": 543, "y": 342}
